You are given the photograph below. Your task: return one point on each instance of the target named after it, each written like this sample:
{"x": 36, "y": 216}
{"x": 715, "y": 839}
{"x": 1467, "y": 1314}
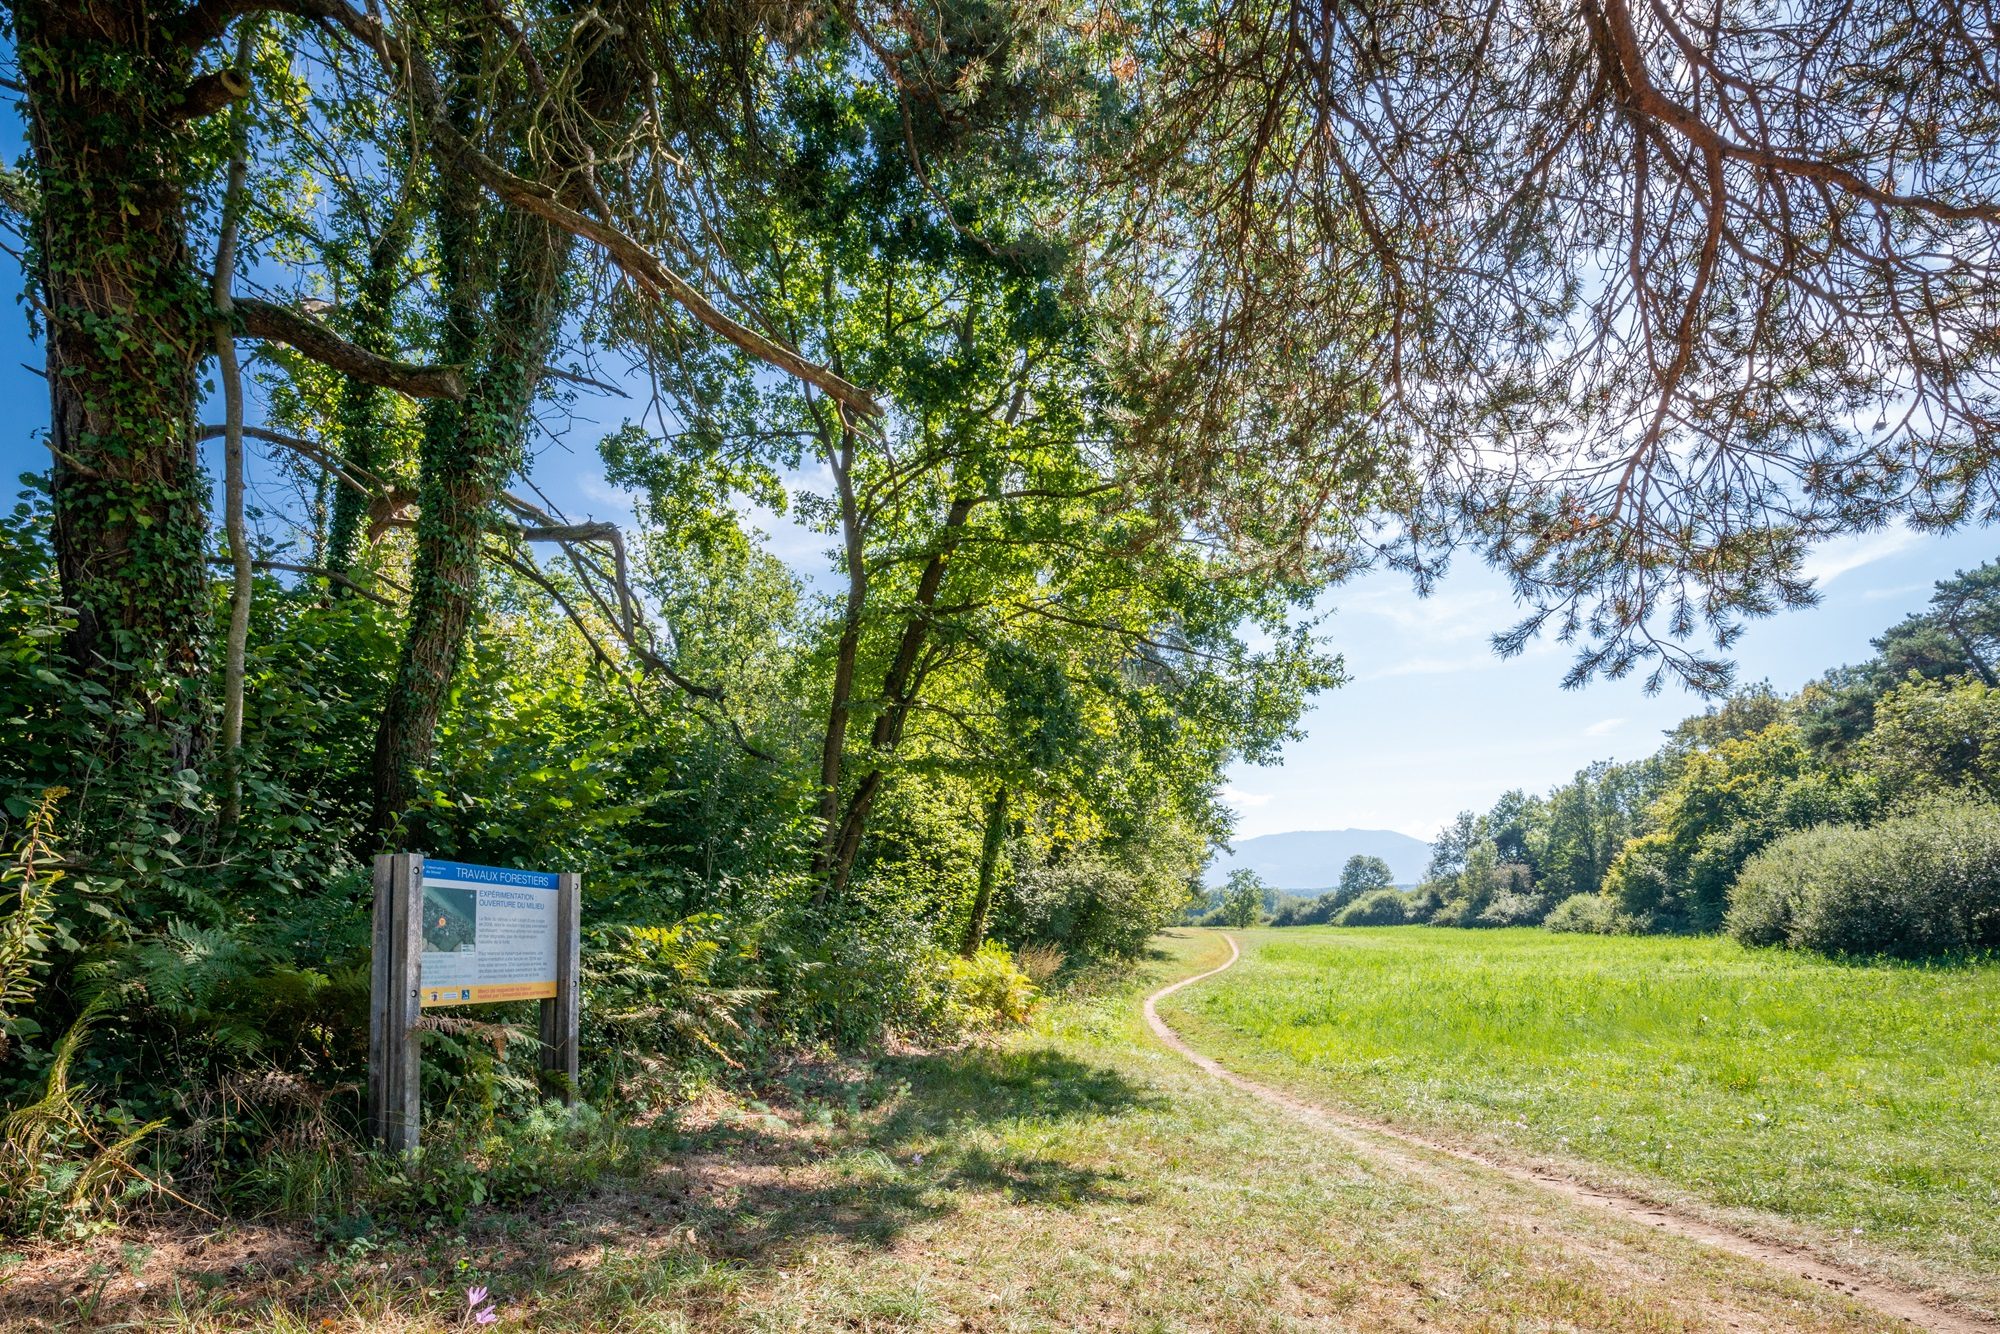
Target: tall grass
{"x": 1862, "y": 1099}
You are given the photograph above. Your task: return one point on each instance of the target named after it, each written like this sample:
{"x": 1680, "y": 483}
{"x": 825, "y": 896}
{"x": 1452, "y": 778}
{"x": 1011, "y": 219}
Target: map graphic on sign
{"x": 489, "y": 934}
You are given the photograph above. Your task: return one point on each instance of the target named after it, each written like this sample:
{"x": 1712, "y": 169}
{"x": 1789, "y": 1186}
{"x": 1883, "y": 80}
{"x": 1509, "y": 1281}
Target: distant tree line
{"x": 1766, "y": 815}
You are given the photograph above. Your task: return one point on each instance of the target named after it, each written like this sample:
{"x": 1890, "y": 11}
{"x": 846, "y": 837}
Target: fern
{"x": 654, "y": 987}
{"x": 24, "y": 934}
{"x": 55, "y": 1169}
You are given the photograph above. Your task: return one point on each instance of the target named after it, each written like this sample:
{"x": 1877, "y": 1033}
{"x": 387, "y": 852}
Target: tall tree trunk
{"x": 467, "y": 456}
{"x": 833, "y": 748}
{"x": 900, "y": 687}
{"x": 359, "y": 419}
{"x": 989, "y": 870}
{"x": 231, "y": 375}
{"x": 126, "y": 322}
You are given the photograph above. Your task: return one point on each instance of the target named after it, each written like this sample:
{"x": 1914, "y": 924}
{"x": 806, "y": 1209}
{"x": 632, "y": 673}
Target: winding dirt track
{"x": 1390, "y": 1144}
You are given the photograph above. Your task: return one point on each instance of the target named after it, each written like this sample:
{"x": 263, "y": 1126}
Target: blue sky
{"x": 1431, "y": 722}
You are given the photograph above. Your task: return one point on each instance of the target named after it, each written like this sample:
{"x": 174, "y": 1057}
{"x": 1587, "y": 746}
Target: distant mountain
{"x": 1311, "y": 859}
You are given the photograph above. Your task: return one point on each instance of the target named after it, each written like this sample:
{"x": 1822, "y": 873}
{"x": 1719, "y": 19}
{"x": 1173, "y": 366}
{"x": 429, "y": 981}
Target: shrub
{"x": 654, "y": 992}
{"x": 1426, "y": 901}
{"x": 1316, "y": 912}
{"x": 1923, "y": 884}
{"x": 1291, "y": 910}
{"x": 1382, "y": 907}
{"x": 1640, "y": 881}
{"x": 1040, "y": 961}
{"x": 987, "y": 990}
{"x": 1590, "y": 914}
{"x": 1512, "y": 908}
{"x": 1088, "y": 906}
{"x": 64, "y": 1161}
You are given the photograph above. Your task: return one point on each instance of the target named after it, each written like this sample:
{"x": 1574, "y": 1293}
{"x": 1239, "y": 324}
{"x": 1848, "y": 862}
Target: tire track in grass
{"x": 1387, "y": 1143}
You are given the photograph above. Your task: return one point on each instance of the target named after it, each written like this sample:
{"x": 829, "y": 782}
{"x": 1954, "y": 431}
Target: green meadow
{"x": 1859, "y": 1100}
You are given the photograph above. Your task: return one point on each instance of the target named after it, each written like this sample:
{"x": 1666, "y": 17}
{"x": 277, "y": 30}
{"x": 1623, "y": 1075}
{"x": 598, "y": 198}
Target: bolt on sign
{"x": 489, "y": 934}
{"x": 452, "y": 933}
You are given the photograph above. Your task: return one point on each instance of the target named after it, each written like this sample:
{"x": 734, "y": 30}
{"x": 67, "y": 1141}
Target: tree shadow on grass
{"x": 843, "y": 1153}
{"x": 931, "y": 1136}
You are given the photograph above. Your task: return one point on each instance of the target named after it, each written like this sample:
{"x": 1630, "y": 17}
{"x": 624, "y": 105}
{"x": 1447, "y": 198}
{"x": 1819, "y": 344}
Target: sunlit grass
{"x": 1073, "y": 1175}
{"x": 1861, "y": 1099}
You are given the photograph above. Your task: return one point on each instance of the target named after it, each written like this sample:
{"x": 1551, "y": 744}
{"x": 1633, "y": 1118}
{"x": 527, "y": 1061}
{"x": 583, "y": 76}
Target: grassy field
{"x": 1862, "y": 1101}
{"x": 1075, "y": 1176}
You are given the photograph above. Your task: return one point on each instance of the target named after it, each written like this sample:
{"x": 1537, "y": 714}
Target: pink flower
{"x": 477, "y": 1309}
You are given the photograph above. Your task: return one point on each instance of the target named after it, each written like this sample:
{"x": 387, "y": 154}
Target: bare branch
{"x": 280, "y": 324}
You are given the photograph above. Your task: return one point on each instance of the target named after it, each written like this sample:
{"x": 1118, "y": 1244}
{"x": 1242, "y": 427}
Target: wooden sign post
{"x": 562, "y": 1012}
{"x": 395, "y": 981}
{"x": 450, "y": 933}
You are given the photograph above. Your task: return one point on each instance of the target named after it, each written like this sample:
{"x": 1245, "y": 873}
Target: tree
{"x": 1243, "y": 897}
{"x": 1957, "y": 636}
{"x": 1934, "y": 738}
{"x": 1514, "y": 824}
{"x": 1479, "y": 879}
{"x": 501, "y": 288}
{"x": 1363, "y": 875}
{"x": 995, "y": 552}
{"x": 122, "y": 142}
{"x": 1453, "y": 842}
{"x": 1649, "y": 447}
{"x": 117, "y": 152}
{"x": 1727, "y": 801}
{"x": 1588, "y": 820}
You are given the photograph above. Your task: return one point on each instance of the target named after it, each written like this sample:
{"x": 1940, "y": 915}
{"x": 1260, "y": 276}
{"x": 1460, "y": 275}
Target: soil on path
{"x": 1433, "y": 1161}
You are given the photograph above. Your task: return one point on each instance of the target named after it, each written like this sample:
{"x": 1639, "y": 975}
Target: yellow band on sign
{"x": 473, "y": 995}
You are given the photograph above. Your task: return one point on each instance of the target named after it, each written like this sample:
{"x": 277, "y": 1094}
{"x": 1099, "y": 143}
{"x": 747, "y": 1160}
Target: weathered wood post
{"x": 451, "y": 933}
{"x": 395, "y": 1110}
{"x": 561, "y": 1013}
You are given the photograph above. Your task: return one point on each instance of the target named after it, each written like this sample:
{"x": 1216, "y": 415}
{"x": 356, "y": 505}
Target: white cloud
{"x": 1604, "y": 727}
{"x": 1842, "y": 555}
{"x": 1437, "y": 666}
{"x": 1447, "y": 616}
{"x": 1899, "y": 591}
{"x": 1245, "y": 801}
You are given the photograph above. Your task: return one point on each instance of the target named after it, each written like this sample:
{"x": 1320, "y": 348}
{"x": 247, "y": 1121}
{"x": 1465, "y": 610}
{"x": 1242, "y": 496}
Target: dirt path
{"x": 1390, "y": 1144}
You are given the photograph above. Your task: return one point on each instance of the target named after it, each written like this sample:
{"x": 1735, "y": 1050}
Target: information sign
{"x": 450, "y": 933}
{"x": 489, "y": 933}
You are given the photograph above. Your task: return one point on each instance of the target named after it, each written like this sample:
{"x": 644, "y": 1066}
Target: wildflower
{"x": 477, "y": 1309}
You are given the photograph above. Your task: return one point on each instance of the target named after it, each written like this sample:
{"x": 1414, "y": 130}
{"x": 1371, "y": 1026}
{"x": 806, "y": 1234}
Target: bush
{"x": 1591, "y": 914}
{"x": 1382, "y": 907}
{"x": 1426, "y": 901}
{"x": 1640, "y": 880}
{"x": 1089, "y": 906}
{"x": 987, "y": 990}
{"x": 1512, "y": 908}
{"x": 1316, "y": 912}
{"x": 654, "y": 992}
{"x": 1040, "y": 961}
{"x": 1919, "y": 885}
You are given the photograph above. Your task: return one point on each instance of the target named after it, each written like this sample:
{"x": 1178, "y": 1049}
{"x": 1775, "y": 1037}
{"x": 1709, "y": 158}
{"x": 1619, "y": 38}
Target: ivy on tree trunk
{"x": 126, "y": 323}
{"x": 468, "y": 451}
